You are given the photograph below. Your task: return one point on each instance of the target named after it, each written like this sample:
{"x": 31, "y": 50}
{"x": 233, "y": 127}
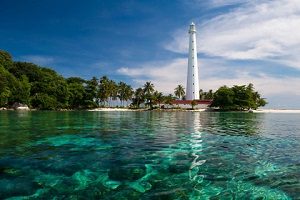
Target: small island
{"x": 27, "y": 85}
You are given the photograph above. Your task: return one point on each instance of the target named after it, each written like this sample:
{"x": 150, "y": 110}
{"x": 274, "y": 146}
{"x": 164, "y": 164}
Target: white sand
{"x": 197, "y": 110}
{"x": 127, "y": 109}
{"x": 275, "y": 111}
{"x": 110, "y": 109}
{"x": 22, "y": 108}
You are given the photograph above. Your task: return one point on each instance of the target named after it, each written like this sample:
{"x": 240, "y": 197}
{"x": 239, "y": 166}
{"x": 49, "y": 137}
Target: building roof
{"x": 206, "y": 102}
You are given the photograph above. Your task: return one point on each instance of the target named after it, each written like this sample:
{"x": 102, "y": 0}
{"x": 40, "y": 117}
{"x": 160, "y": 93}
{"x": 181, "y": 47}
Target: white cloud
{"x": 212, "y": 4}
{"x": 281, "y": 92}
{"x": 258, "y": 30}
{"x": 167, "y": 75}
{"x": 220, "y": 3}
{"x": 39, "y": 60}
{"x": 164, "y": 75}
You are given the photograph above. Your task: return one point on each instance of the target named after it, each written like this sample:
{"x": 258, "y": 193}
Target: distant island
{"x": 27, "y": 84}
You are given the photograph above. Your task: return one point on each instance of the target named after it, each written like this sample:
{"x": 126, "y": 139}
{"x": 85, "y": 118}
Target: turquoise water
{"x": 149, "y": 155}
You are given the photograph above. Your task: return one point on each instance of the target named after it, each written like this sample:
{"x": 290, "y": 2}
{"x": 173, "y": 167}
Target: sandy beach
{"x": 196, "y": 110}
{"x": 111, "y": 109}
{"x": 127, "y": 109}
{"x": 276, "y": 111}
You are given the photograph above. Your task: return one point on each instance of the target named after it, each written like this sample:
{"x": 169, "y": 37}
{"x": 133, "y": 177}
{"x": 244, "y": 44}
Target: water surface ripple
{"x": 149, "y": 155}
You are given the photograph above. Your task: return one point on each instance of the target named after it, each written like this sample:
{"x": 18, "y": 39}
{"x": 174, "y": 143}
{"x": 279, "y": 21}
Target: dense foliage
{"x": 43, "y": 88}
{"x": 40, "y": 87}
{"x": 237, "y": 98}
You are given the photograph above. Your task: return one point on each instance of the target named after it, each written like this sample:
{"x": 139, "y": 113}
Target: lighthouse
{"x": 192, "y": 87}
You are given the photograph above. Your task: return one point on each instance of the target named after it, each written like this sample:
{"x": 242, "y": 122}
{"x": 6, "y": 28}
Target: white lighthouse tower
{"x": 192, "y": 87}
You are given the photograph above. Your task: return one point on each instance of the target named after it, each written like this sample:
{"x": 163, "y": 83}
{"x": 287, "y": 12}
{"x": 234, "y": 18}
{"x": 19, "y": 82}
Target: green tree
{"x": 138, "y": 98}
{"x": 223, "y": 98}
{"x": 179, "y": 91}
{"x": 11, "y": 90}
{"x": 112, "y": 90}
{"x": 242, "y": 97}
{"x": 201, "y": 96}
{"x": 148, "y": 88}
{"x": 256, "y": 100}
{"x": 148, "y": 91}
{"x": 5, "y": 93}
{"x": 122, "y": 92}
{"x": 23, "y": 94}
{"x": 206, "y": 95}
{"x": 209, "y": 95}
{"x": 5, "y": 59}
{"x": 91, "y": 90}
{"x": 44, "y": 101}
{"x": 128, "y": 93}
{"x": 42, "y": 81}
{"x": 76, "y": 94}
{"x": 261, "y": 102}
{"x": 157, "y": 98}
{"x": 75, "y": 80}
{"x": 5, "y": 86}
{"x": 237, "y": 98}
{"x": 32, "y": 71}
{"x": 103, "y": 92}
{"x": 193, "y": 103}
{"x": 169, "y": 99}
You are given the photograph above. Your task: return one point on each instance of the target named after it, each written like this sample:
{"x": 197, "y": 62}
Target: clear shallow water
{"x": 149, "y": 155}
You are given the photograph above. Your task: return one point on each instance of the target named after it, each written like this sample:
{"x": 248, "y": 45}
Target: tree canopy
{"x": 237, "y": 98}
{"x": 43, "y": 88}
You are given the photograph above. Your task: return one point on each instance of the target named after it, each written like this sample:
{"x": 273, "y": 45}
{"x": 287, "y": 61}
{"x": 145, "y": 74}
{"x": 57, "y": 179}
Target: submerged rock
{"x": 16, "y": 187}
{"x": 83, "y": 179}
{"x": 48, "y": 180}
{"x": 20, "y": 106}
{"x": 140, "y": 186}
{"x": 10, "y": 171}
{"x": 179, "y": 167}
{"x": 127, "y": 173}
{"x": 112, "y": 184}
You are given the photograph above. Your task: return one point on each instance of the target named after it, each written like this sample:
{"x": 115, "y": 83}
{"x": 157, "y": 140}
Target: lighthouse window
{"x": 193, "y": 74}
{"x": 193, "y": 83}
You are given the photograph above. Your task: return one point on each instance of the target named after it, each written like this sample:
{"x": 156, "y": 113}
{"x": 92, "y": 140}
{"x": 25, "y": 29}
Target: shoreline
{"x": 296, "y": 111}
{"x": 147, "y": 110}
{"x": 276, "y": 111}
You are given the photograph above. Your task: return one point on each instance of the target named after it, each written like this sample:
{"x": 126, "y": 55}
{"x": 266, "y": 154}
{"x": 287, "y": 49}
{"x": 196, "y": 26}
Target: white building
{"x": 192, "y": 87}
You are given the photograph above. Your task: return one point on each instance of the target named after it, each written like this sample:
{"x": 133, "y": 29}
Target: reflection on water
{"x": 149, "y": 155}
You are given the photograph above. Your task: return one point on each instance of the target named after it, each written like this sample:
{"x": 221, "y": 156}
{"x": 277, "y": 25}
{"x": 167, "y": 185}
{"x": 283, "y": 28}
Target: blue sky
{"x": 239, "y": 41}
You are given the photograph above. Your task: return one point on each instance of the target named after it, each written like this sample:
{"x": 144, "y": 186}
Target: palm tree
{"x": 201, "y": 94}
{"x": 112, "y": 90}
{"x": 103, "y": 93}
{"x": 179, "y": 91}
{"x": 158, "y": 97}
{"x": 139, "y": 97}
{"x": 210, "y": 95}
{"x": 125, "y": 92}
{"x": 121, "y": 91}
{"x": 91, "y": 90}
{"x": 128, "y": 93}
{"x": 169, "y": 99}
{"x": 148, "y": 91}
{"x": 148, "y": 88}
{"x": 193, "y": 103}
